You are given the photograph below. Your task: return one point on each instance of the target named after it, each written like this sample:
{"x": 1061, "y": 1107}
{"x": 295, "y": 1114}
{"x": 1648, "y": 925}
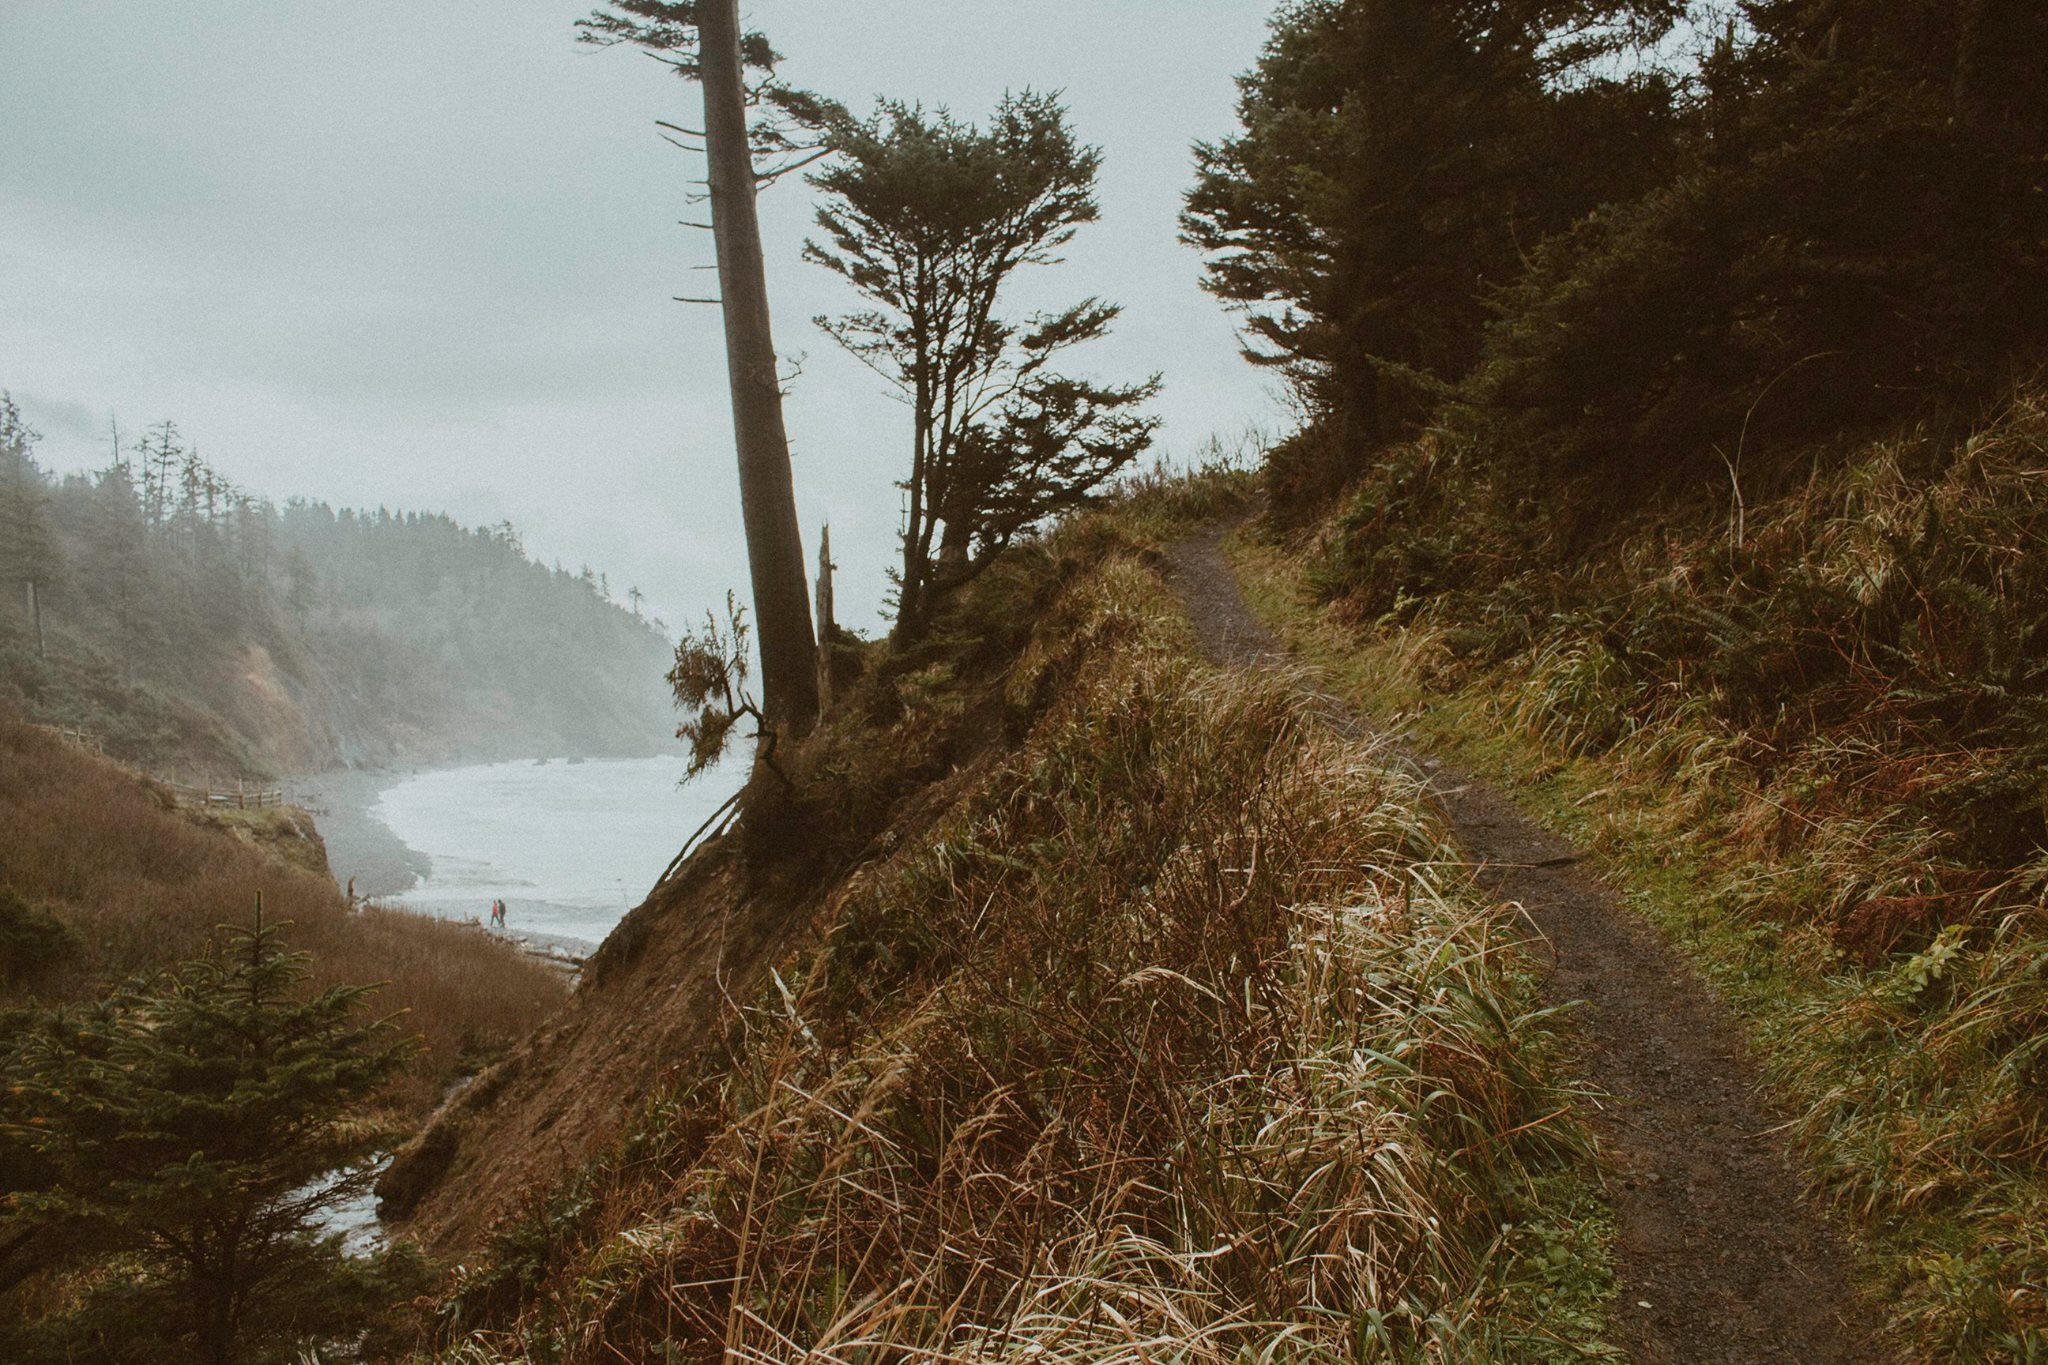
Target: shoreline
{"x": 359, "y": 845}
{"x": 557, "y": 950}
{"x": 385, "y": 868}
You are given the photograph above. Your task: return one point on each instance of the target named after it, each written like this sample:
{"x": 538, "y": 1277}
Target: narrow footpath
{"x": 1719, "y": 1256}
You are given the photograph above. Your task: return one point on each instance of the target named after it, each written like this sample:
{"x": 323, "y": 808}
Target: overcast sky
{"x": 421, "y": 255}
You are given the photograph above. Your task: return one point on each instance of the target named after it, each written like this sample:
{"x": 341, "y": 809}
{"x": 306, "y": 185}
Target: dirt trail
{"x": 1720, "y": 1258}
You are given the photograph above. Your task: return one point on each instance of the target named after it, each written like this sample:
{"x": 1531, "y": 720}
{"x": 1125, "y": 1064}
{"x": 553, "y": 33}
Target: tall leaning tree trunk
{"x": 775, "y": 554}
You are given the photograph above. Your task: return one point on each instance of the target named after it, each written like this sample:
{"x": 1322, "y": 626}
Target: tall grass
{"x": 1169, "y": 497}
{"x": 1817, "y": 736}
{"x": 1174, "y": 1039}
{"x": 142, "y": 888}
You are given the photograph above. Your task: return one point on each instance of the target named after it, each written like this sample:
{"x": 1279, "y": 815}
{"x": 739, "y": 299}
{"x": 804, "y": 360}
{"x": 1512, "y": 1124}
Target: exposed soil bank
{"x": 1720, "y": 1258}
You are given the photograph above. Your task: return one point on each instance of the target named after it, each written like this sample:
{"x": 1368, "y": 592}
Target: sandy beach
{"x": 358, "y": 844}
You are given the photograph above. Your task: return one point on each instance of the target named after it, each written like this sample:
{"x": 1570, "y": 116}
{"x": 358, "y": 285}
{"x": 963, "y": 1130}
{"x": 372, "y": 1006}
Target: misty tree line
{"x": 163, "y": 570}
{"x": 157, "y": 541}
{"x": 159, "y": 524}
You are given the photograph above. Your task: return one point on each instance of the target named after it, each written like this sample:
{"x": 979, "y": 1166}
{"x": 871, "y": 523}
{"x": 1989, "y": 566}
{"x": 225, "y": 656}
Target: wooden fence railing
{"x": 84, "y": 739}
{"x": 241, "y": 796}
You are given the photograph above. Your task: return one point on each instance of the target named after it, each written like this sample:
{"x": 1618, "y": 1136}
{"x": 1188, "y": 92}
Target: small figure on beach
{"x": 498, "y": 914}
{"x": 351, "y": 893}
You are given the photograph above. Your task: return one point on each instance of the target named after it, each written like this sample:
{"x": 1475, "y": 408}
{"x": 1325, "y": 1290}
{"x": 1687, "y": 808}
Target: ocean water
{"x": 569, "y": 846}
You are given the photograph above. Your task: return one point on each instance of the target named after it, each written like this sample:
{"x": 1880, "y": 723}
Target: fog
{"x": 385, "y": 254}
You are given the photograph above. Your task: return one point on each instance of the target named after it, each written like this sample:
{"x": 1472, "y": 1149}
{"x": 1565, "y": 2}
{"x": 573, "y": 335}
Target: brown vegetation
{"x": 141, "y": 886}
{"x": 1138, "y": 1019}
{"x": 1808, "y": 716}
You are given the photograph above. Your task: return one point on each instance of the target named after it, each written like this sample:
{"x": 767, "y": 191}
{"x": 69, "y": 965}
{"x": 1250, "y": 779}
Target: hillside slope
{"x": 136, "y": 884}
{"x": 1125, "y": 1004}
{"x": 1809, "y": 735}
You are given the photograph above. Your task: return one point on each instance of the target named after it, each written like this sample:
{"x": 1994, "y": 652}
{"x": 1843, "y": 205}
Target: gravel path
{"x": 1720, "y": 1258}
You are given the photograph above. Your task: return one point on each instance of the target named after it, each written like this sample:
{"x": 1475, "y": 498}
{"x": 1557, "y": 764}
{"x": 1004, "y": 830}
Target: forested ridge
{"x": 189, "y": 624}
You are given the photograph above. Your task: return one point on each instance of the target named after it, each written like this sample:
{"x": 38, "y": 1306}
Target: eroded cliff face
{"x": 279, "y": 700}
{"x": 276, "y": 712}
{"x": 256, "y": 712}
{"x": 286, "y": 833}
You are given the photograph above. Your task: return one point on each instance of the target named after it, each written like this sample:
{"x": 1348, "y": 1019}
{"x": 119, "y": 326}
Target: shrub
{"x": 31, "y": 938}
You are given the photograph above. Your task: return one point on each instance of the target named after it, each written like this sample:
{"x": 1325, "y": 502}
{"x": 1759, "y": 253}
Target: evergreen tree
{"x": 27, "y": 559}
{"x": 117, "y": 564}
{"x": 701, "y": 40}
{"x": 930, "y": 218}
{"x": 1859, "y": 231}
{"x": 1397, "y": 161}
{"x": 162, "y": 453}
{"x": 204, "y": 1123}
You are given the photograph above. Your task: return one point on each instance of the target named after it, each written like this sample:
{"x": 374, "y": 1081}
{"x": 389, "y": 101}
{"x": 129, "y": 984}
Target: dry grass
{"x": 1819, "y": 753}
{"x": 1172, "y": 1041}
{"x": 143, "y": 887}
{"x": 1167, "y": 498}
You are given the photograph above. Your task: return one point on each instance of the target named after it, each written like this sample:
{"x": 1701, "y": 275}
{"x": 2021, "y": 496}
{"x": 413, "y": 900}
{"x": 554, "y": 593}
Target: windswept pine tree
{"x": 930, "y": 218}
{"x": 701, "y": 40}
